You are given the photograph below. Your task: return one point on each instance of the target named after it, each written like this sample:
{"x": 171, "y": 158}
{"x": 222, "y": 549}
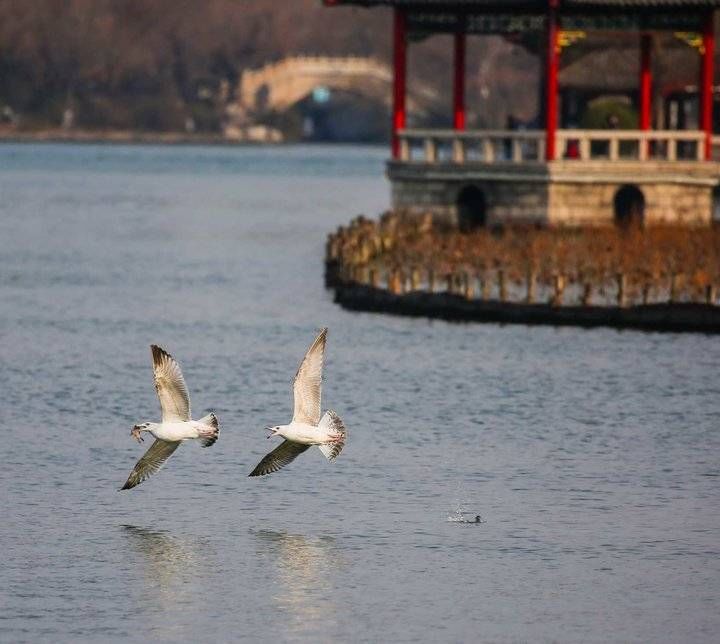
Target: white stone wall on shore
{"x": 559, "y": 193}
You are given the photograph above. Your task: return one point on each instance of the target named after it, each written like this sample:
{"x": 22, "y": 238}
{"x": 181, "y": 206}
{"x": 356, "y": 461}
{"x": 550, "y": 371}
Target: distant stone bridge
{"x": 278, "y": 86}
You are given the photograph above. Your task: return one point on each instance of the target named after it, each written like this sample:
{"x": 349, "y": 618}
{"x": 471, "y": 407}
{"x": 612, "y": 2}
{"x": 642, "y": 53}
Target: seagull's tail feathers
{"x": 210, "y": 431}
{"x": 335, "y": 428}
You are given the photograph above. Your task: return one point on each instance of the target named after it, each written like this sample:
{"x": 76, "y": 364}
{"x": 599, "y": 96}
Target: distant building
{"x": 647, "y": 154}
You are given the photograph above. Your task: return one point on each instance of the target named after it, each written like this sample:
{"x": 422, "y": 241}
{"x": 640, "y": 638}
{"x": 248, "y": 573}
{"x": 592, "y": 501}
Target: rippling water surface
{"x": 592, "y": 456}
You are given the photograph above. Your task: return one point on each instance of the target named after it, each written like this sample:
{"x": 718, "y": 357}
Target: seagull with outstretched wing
{"x": 177, "y": 425}
{"x": 307, "y": 428}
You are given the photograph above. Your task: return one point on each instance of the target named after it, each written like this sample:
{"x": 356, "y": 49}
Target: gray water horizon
{"x": 591, "y": 455}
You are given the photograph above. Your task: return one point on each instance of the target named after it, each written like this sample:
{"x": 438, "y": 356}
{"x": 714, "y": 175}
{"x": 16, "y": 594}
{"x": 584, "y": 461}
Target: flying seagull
{"x": 176, "y": 426}
{"x": 306, "y": 427}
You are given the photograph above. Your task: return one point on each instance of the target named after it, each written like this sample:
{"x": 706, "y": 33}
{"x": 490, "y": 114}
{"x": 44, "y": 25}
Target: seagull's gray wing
{"x": 308, "y": 381}
{"x": 170, "y": 386}
{"x": 151, "y": 462}
{"x": 285, "y": 453}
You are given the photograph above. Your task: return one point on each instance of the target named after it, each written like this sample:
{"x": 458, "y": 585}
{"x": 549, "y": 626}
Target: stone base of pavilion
{"x": 556, "y": 193}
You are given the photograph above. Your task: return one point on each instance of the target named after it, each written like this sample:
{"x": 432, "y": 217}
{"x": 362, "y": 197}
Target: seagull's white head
{"x": 274, "y": 431}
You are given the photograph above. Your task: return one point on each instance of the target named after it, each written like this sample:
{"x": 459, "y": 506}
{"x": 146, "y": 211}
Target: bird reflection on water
{"x": 168, "y": 556}
{"x": 171, "y": 569}
{"x": 304, "y": 568}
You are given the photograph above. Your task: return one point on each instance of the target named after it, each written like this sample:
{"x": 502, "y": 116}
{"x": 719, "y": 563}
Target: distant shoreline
{"x": 149, "y": 138}
{"x": 119, "y": 136}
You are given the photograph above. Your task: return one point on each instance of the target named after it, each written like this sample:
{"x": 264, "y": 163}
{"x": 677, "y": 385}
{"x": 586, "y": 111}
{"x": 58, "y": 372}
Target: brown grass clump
{"x": 654, "y": 264}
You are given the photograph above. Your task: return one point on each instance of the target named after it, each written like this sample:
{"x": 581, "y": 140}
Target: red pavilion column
{"x": 400, "y": 66}
{"x": 551, "y": 79}
{"x": 706, "y": 83}
{"x": 645, "y": 81}
{"x": 645, "y": 90}
{"x": 459, "y": 83}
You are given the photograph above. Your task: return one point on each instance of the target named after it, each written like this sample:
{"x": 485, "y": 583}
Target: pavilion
{"x": 552, "y": 174}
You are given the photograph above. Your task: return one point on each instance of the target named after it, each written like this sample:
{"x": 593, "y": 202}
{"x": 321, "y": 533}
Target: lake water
{"x": 592, "y": 456}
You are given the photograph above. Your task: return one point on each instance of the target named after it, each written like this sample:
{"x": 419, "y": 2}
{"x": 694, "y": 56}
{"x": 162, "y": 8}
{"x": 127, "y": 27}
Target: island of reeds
{"x": 662, "y": 278}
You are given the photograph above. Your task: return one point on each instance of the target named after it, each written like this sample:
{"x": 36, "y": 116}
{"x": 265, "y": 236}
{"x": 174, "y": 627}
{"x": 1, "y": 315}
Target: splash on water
{"x": 460, "y": 516}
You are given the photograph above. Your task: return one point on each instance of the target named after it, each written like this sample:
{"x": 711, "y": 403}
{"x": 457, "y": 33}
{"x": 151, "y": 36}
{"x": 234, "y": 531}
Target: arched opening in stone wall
{"x": 331, "y": 114}
{"x": 716, "y": 205}
{"x": 471, "y": 208}
{"x": 629, "y": 207}
{"x": 262, "y": 97}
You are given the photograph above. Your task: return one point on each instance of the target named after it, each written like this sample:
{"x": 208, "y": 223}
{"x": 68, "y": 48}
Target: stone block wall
{"x": 558, "y": 193}
{"x": 578, "y": 204}
{"x": 419, "y": 197}
{"x": 573, "y": 204}
{"x": 686, "y": 204}
{"x": 516, "y": 202}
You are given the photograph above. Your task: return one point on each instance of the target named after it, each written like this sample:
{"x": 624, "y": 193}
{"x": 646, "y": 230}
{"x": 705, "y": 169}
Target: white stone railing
{"x": 629, "y": 145}
{"x": 486, "y": 146}
{"x": 528, "y": 146}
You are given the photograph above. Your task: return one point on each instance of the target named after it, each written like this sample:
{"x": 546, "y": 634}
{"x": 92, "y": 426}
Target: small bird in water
{"x": 306, "y": 427}
{"x": 176, "y": 426}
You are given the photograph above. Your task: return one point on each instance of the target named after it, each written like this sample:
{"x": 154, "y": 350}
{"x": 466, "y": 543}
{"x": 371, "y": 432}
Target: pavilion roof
{"x": 515, "y": 4}
{"x": 617, "y": 69}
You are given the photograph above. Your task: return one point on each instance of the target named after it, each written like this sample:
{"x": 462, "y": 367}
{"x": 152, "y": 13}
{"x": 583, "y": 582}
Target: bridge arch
{"x": 293, "y": 79}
